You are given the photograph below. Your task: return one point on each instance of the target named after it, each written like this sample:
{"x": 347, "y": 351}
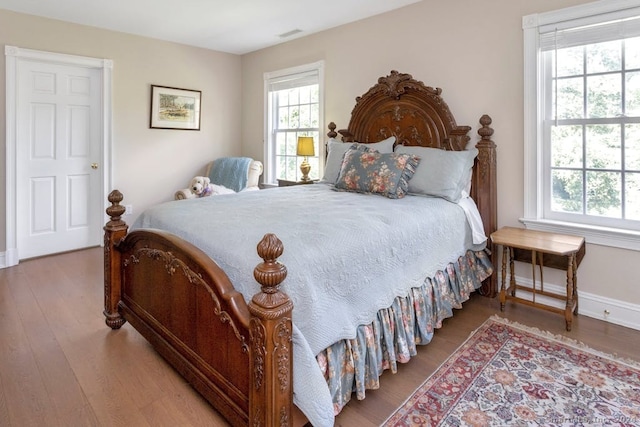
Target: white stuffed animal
{"x": 201, "y": 186}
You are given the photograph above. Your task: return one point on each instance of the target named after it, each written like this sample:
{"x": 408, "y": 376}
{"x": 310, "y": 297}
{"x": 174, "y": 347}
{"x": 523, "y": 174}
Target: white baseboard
{"x": 8, "y": 258}
{"x": 602, "y": 308}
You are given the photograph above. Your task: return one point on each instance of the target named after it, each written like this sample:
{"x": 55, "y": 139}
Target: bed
{"x": 194, "y": 296}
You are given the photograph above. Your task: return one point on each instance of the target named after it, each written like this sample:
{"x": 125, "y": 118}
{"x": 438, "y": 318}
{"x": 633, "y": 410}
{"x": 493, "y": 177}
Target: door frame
{"x": 13, "y": 56}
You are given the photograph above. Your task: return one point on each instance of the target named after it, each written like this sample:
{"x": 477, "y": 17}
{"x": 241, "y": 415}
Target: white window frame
{"x": 534, "y": 173}
{"x": 269, "y": 145}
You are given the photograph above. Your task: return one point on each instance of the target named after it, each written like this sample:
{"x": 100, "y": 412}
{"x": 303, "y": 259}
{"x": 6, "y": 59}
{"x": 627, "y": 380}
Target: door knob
{"x": 94, "y": 166}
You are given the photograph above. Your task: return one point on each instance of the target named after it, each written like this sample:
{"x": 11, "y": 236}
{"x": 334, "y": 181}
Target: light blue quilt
{"x": 347, "y": 255}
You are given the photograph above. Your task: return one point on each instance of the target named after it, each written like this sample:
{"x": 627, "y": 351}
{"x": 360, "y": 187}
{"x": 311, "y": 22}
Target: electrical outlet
{"x": 128, "y": 209}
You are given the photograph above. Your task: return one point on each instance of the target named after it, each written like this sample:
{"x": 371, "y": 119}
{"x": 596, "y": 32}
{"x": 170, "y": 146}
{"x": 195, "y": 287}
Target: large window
{"x": 582, "y": 131}
{"x": 294, "y": 108}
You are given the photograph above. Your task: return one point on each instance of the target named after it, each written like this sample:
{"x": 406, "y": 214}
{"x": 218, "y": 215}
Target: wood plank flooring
{"x": 60, "y": 365}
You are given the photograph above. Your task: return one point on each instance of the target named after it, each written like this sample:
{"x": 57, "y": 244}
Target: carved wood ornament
{"x": 400, "y": 106}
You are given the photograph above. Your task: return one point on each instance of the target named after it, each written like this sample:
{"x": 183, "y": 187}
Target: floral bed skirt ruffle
{"x": 355, "y": 365}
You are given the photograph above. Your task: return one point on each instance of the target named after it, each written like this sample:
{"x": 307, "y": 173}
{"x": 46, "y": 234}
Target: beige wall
{"x": 149, "y": 165}
{"x": 473, "y": 50}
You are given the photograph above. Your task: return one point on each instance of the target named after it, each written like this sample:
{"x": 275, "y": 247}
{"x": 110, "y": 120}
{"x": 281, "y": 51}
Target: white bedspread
{"x": 348, "y": 255}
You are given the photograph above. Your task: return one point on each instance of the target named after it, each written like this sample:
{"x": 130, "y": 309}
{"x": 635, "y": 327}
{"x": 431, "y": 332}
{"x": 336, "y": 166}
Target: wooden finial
{"x": 332, "y": 130}
{"x": 270, "y": 273}
{"x": 485, "y": 131}
{"x": 116, "y": 210}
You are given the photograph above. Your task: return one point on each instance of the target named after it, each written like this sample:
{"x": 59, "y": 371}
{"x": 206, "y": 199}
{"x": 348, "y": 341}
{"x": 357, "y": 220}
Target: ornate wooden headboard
{"x": 400, "y": 106}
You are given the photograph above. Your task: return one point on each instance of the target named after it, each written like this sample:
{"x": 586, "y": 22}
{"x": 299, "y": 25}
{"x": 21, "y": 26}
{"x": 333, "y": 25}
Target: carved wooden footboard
{"x": 237, "y": 355}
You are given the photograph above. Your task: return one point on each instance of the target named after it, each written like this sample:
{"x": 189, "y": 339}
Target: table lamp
{"x": 305, "y": 148}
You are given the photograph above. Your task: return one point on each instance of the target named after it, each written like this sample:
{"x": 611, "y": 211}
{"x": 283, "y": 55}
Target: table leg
{"x": 575, "y": 284}
{"x": 568, "y": 312}
{"x": 512, "y": 273}
{"x": 503, "y": 295}
{"x": 534, "y": 261}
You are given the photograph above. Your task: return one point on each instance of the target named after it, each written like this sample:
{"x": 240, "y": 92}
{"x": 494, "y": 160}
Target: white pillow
{"x": 441, "y": 173}
{"x": 336, "y": 150}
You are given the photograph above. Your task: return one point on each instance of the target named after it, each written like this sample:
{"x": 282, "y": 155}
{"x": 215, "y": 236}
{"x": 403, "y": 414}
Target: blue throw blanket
{"x": 232, "y": 172}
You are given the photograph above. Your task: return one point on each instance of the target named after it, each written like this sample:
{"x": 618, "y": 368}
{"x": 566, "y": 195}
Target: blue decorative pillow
{"x": 441, "y": 173}
{"x": 368, "y": 171}
{"x": 336, "y": 150}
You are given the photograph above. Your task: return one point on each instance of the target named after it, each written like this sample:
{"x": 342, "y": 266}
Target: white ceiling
{"x": 234, "y": 26}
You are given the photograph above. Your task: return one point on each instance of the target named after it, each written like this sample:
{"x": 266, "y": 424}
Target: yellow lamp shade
{"x": 305, "y": 146}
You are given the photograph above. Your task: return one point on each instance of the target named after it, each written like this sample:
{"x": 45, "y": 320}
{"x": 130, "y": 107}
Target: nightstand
{"x": 543, "y": 249}
{"x": 287, "y": 183}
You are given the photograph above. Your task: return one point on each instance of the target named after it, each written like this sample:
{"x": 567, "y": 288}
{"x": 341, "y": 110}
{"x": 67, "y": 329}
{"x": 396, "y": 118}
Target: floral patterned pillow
{"x": 367, "y": 171}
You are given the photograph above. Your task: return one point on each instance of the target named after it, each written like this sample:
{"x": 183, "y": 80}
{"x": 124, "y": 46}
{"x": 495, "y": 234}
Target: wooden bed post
{"x": 484, "y": 192}
{"x": 114, "y": 231}
{"x": 271, "y": 357}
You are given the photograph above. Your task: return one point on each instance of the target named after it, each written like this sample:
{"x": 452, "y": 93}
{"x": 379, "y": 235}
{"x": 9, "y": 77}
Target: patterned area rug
{"x": 507, "y": 374}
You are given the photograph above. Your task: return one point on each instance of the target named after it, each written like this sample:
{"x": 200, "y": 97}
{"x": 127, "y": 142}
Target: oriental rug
{"x": 507, "y": 374}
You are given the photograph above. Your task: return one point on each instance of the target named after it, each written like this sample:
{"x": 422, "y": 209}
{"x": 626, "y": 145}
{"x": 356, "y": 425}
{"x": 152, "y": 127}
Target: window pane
{"x": 305, "y": 95}
{"x": 567, "y": 191}
{"x": 283, "y": 117}
{"x": 294, "y": 96}
{"x": 632, "y": 147}
{"x": 632, "y": 107}
{"x": 632, "y": 53}
{"x": 603, "y": 57}
{"x": 632, "y": 194}
{"x": 305, "y": 117}
{"x": 315, "y": 116}
{"x": 283, "y": 97}
{"x": 292, "y": 144}
{"x": 292, "y": 168}
{"x": 294, "y": 117}
{"x": 566, "y": 146}
{"x": 281, "y": 146}
{"x": 282, "y": 168}
{"x": 570, "y": 61}
{"x": 603, "y": 194}
{"x": 604, "y": 96}
{"x": 570, "y": 98}
{"x": 603, "y": 147}
{"x": 315, "y": 93}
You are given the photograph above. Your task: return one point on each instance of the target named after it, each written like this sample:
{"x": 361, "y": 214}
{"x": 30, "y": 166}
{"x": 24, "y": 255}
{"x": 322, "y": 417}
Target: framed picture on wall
{"x": 175, "y": 108}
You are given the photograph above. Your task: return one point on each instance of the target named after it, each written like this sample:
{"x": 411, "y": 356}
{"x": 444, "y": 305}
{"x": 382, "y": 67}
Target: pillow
{"x": 441, "y": 173}
{"x": 336, "y": 150}
{"x": 368, "y": 171}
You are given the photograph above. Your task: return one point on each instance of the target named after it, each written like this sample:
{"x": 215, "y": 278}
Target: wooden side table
{"x": 540, "y": 248}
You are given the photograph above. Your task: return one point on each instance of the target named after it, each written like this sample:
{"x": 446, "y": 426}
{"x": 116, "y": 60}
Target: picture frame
{"x": 175, "y": 108}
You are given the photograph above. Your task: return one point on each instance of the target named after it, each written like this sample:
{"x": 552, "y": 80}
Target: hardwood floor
{"x": 60, "y": 365}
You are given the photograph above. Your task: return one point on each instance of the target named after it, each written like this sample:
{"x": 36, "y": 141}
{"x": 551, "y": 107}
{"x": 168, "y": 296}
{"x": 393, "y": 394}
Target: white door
{"x": 58, "y": 158}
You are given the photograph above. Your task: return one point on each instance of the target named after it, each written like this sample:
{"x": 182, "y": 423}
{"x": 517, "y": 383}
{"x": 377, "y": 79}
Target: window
{"x": 293, "y": 108}
{"x": 582, "y": 122}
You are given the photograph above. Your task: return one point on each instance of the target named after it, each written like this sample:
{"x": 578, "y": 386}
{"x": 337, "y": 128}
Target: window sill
{"x": 614, "y": 237}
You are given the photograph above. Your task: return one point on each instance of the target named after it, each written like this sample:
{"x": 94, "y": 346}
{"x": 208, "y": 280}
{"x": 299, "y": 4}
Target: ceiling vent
{"x": 289, "y": 33}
